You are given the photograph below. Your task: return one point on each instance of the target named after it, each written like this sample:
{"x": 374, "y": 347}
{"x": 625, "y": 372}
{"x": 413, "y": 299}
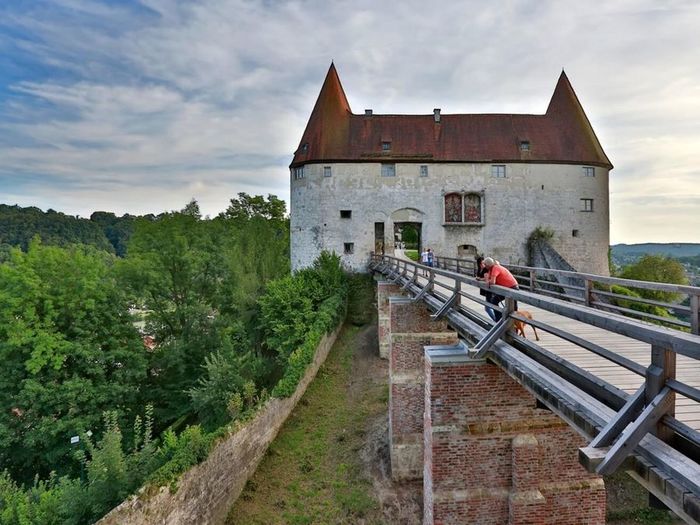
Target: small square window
{"x": 388, "y": 170}
{"x": 586, "y": 204}
{"x": 348, "y": 247}
{"x": 574, "y": 233}
{"x": 345, "y": 214}
{"x": 498, "y": 171}
{"x": 386, "y": 145}
{"x": 326, "y": 171}
{"x": 588, "y": 171}
{"x": 305, "y": 147}
{"x": 524, "y": 145}
{"x": 424, "y": 171}
{"x": 298, "y": 173}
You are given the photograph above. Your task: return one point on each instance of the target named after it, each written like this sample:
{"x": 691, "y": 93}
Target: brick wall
{"x": 411, "y": 328}
{"x": 493, "y": 457}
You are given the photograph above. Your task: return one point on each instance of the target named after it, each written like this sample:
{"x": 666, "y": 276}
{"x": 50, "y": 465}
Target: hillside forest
{"x": 130, "y": 344}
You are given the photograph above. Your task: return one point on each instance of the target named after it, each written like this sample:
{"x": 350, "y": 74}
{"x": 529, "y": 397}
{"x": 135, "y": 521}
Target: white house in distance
{"x": 468, "y": 183}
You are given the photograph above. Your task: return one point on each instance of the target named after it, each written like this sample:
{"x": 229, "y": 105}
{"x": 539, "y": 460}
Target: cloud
{"x": 139, "y": 106}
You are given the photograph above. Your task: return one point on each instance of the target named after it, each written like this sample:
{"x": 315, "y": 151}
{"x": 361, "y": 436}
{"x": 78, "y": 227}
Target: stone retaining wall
{"x": 207, "y": 491}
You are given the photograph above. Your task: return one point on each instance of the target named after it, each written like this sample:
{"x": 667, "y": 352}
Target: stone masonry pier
{"x": 411, "y": 329}
{"x": 493, "y": 457}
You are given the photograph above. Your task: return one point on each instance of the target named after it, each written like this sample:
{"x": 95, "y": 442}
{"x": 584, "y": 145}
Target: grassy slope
{"x": 313, "y": 471}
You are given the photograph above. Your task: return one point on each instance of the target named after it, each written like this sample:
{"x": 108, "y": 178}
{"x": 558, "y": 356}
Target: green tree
{"x": 659, "y": 269}
{"x": 69, "y": 351}
{"x": 192, "y": 209}
{"x": 247, "y": 206}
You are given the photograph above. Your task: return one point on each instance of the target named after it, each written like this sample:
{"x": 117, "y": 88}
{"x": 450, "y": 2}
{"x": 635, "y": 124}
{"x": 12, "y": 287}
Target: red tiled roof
{"x": 562, "y": 135}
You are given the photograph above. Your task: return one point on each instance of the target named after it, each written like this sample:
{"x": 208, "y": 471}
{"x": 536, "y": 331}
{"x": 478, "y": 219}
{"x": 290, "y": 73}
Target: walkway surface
{"x": 687, "y": 370}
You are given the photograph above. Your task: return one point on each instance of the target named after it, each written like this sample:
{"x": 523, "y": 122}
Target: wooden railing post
{"x": 661, "y": 369}
{"x": 695, "y": 314}
{"x": 588, "y": 292}
{"x": 533, "y": 280}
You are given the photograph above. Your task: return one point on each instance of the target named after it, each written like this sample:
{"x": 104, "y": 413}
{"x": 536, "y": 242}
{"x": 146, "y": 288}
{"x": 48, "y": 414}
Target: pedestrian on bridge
{"x": 500, "y": 276}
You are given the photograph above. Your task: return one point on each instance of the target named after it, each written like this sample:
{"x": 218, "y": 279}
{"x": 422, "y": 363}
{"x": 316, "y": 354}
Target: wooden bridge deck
{"x": 687, "y": 370}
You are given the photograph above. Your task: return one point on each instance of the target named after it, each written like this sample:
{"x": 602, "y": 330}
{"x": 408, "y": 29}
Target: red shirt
{"x": 501, "y": 276}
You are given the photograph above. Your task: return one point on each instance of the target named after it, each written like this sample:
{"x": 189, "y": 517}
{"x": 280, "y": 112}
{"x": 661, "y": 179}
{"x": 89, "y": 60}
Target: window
{"x": 588, "y": 171}
{"x": 463, "y": 208}
{"x": 348, "y": 247}
{"x": 345, "y": 214}
{"x": 388, "y": 170}
{"x": 498, "y": 171}
{"x": 472, "y": 207}
{"x": 524, "y": 145}
{"x": 586, "y": 204}
{"x": 326, "y": 171}
{"x": 305, "y": 147}
{"x": 424, "y": 171}
{"x": 574, "y": 233}
{"x": 386, "y": 145}
{"x": 298, "y": 173}
{"x": 453, "y": 207}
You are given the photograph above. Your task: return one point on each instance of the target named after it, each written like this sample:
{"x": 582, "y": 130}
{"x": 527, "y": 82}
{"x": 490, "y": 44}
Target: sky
{"x": 138, "y": 106}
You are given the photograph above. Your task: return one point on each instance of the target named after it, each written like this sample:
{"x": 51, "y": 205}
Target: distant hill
{"x": 676, "y": 249}
{"x": 687, "y": 253}
{"x": 103, "y": 230}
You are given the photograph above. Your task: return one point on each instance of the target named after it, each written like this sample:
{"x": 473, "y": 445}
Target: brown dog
{"x": 520, "y": 325}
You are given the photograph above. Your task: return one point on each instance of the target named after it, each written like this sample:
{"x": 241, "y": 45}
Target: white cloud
{"x": 153, "y": 104}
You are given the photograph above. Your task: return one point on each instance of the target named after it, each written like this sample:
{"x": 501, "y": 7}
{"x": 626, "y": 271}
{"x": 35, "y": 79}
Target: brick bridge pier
{"x": 486, "y": 452}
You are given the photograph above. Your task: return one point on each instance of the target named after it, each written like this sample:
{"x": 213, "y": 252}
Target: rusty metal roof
{"x": 562, "y": 135}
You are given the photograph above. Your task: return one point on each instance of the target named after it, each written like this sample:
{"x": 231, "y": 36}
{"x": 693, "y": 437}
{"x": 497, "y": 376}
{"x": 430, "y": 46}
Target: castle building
{"x": 466, "y": 183}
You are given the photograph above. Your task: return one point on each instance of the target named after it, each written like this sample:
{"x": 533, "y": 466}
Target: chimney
{"x": 368, "y": 112}
{"x": 436, "y": 115}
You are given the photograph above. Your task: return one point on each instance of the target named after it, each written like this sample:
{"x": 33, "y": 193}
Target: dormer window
{"x": 386, "y": 145}
{"x": 524, "y": 145}
{"x": 305, "y": 147}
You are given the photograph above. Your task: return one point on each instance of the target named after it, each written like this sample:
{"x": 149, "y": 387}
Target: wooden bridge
{"x": 630, "y": 387}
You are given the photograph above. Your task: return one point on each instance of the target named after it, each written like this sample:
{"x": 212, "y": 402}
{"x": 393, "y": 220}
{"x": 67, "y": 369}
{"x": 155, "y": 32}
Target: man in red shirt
{"x": 499, "y": 276}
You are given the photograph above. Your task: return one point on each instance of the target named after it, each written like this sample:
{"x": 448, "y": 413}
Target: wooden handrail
{"x": 586, "y": 292}
{"x": 650, "y": 413}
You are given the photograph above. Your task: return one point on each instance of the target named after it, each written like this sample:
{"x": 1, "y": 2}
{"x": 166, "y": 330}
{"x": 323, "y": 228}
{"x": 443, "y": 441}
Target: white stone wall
{"x": 531, "y": 195}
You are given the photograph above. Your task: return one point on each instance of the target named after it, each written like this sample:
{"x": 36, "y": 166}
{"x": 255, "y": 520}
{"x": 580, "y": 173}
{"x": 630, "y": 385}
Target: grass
{"x": 628, "y": 503}
{"x": 412, "y": 254}
{"x": 313, "y": 472}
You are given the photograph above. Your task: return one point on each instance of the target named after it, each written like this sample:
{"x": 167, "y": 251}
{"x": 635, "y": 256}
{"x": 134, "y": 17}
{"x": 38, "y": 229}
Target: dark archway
{"x": 408, "y": 235}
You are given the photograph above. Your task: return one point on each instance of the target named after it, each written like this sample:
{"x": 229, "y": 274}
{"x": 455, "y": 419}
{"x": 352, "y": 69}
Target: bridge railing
{"x": 650, "y": 410}
{"x": 602, "y": 292}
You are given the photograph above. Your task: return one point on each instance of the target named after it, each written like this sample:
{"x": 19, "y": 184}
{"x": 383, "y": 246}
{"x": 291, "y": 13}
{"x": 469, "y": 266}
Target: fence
{"x": 643, "y": 422}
